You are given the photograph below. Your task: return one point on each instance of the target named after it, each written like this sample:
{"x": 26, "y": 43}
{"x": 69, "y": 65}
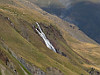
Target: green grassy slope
{"x": 28, "y": 49}
{"x": 23, "y": 40}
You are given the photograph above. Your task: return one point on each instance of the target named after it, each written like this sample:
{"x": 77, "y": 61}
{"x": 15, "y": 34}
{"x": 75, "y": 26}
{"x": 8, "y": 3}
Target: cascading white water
{"x": 47, "y": 42}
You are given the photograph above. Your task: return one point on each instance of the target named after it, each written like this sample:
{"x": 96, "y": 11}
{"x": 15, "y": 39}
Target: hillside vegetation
{"x": 23, "y": 52}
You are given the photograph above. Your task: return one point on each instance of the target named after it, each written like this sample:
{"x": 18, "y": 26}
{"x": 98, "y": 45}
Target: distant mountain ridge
{"x": 86, "y": 16}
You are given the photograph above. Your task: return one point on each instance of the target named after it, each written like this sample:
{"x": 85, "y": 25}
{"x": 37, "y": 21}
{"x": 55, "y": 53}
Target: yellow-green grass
{"x": 34, "y": 50}
{"x": 86, "y": 50}
{"x": 25, "y": 49}
{"x": 30, "y": 51}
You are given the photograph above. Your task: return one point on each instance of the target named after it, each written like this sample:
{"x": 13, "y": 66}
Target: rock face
{"x": 31, "y": 68}
{"x": 94, "y": 72}
{"x": 37, "y": 71}
{"x": 3, "y": 57}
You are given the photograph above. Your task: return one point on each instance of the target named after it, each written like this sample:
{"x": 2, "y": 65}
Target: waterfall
{"x": 47, "y": 42}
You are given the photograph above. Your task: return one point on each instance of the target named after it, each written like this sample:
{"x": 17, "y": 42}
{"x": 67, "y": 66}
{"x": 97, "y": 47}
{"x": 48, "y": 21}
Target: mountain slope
{"x": 72, "y": 29}
{"x": 76, "y": 12}
{"x": 27, "y": 51}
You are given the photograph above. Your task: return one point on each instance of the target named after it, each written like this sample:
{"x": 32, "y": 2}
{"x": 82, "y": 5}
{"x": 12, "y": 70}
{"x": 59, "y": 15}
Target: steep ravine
{"x": 47, "y": 42}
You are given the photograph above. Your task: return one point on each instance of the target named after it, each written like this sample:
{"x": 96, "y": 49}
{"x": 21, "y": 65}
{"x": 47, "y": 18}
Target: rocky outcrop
{"x": 93, "y": 71}
{"x": 3, "y": 57}
{"x": 37, "y": 71}
{"x": 31, "y": 68}
{"x": 7, "y": 61}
